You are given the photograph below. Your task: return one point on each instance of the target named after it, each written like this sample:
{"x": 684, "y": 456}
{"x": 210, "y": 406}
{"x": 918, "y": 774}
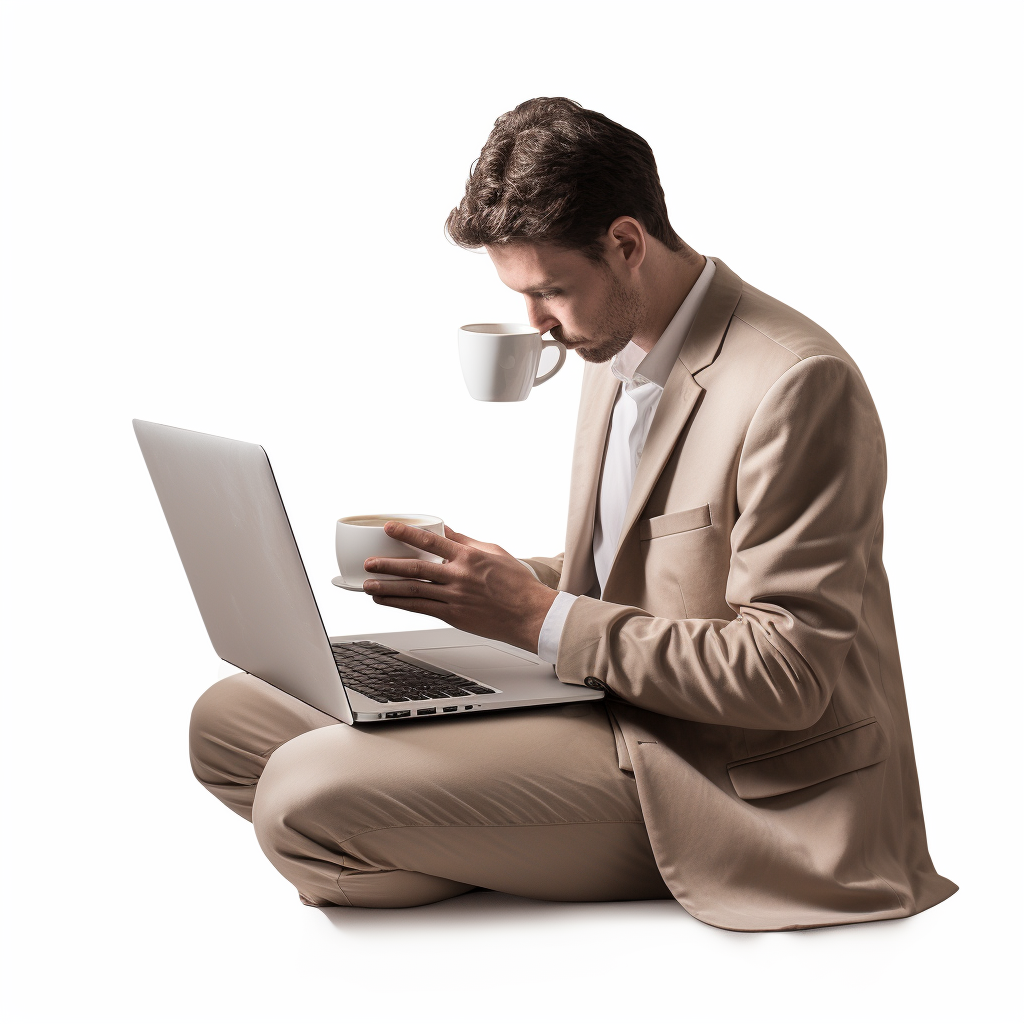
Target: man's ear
{"x": 626, "y": 241}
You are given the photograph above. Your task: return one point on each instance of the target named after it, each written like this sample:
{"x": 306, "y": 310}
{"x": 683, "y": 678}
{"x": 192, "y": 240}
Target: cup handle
{"x": 545, "y": 343}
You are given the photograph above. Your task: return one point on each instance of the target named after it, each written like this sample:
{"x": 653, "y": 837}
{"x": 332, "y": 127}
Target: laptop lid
{"x": 230, "y": 527}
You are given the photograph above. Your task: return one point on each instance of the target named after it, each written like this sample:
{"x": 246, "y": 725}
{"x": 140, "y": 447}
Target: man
{"x": 722, "y": 581}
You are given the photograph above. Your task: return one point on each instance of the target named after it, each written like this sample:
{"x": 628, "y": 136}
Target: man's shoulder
{"x": 768, "y": 345}
{"x": 764, "y": 319}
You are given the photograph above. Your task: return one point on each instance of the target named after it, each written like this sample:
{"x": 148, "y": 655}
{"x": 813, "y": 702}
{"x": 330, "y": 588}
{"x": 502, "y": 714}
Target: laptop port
{"x": 469, "y": 707}
{"x": 454, "y": 707}
{"x": 427, "y": 711}
{"x": 397, "y": 714}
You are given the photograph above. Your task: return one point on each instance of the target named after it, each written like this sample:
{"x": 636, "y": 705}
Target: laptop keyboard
{"x": 376, "y": 672}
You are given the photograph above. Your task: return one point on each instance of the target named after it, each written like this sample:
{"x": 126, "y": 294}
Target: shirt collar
{"x": 634, "y": 367}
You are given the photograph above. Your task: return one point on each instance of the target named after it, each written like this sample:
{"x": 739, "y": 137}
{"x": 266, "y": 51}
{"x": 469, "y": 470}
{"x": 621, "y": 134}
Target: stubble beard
{"x": 621, "y": 319}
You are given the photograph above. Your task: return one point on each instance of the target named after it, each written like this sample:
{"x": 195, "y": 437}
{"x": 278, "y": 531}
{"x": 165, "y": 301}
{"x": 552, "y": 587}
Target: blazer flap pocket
{"x": 675, "y": 522}
{"x": 810, "y": 762}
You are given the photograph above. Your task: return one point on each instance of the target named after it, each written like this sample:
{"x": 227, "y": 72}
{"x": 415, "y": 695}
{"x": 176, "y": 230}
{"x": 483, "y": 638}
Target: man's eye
{"x": 546, "y": 295}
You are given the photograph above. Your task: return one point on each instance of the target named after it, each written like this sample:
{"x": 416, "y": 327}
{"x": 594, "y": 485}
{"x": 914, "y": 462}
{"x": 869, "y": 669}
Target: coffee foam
{"x": 380, "y": 521}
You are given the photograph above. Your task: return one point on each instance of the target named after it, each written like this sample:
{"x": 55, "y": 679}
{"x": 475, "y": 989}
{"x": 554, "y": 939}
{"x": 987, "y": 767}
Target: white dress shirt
{"x": 643, "y": 377}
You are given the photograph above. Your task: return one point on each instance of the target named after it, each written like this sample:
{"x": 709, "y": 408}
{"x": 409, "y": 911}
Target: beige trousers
{"x": 525, "y": 802}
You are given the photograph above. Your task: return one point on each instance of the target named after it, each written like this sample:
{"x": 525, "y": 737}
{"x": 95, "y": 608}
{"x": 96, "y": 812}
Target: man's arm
{"x": 809, "y": 492}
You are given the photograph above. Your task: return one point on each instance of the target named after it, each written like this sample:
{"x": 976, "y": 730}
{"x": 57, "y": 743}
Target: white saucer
{"x": 339, "y": 581}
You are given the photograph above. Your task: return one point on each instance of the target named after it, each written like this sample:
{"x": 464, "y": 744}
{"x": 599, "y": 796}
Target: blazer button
{"x": 594, "y": 683}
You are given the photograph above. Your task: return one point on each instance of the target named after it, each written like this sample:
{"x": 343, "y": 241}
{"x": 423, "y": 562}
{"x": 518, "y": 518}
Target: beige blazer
{"x": 745, "y": 636}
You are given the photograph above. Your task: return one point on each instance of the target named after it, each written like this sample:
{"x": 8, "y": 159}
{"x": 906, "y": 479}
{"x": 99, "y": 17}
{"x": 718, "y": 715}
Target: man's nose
{"x": 540, "y": 320}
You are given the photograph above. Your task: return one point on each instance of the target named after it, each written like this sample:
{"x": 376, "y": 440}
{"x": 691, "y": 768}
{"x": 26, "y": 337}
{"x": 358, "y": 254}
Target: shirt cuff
{"x": 551, "y": 631}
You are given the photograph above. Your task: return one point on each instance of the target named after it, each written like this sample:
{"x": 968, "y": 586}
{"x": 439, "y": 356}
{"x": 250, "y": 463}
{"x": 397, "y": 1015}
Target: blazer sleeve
{"x": 548, "y": 570}
{"x": 810, "y": 481}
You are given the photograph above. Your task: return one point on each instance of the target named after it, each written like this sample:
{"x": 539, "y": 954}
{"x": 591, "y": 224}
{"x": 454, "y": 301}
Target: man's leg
{"x": 529, "y": 802}
{"x": 526, "y": 802}
{"x": 236, "y": 725}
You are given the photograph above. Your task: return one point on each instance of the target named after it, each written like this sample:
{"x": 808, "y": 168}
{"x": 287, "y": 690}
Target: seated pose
{"x": 722, "y": 582}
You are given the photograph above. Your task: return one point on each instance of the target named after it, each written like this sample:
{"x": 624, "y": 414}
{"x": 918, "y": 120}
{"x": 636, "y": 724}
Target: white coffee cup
{"x": 500, "y": 361}
{"x": 357, "y": 538}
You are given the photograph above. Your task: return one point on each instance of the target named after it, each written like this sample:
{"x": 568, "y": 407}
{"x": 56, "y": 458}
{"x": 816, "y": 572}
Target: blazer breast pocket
{"x": 675, "y": 522}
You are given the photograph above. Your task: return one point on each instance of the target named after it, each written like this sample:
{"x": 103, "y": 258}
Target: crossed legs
{"x": 529, "y": 802}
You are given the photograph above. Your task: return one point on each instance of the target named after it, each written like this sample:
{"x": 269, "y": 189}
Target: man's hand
{"x": 480, "y": 587}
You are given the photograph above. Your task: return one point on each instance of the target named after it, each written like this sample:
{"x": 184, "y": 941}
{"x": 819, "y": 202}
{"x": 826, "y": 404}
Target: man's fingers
{"x": 471, "y": 542}
{"x": 414, "y": 568}
{"x": 405, "y": 588}
{"x": 422, "y": 539}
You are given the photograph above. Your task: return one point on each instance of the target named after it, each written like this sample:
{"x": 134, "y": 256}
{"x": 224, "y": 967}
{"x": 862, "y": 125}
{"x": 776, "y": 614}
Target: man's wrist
{"x": 554, "y": 624}
{"x": 541, "y": 600}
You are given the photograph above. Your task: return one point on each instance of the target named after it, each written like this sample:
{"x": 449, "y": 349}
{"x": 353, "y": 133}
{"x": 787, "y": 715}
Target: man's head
{"x": 569, "y": 206}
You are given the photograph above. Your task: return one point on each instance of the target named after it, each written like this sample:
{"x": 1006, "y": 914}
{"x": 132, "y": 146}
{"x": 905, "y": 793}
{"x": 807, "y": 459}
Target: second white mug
{"x": 357, "y": 538}
{"x": 500, "y": 361}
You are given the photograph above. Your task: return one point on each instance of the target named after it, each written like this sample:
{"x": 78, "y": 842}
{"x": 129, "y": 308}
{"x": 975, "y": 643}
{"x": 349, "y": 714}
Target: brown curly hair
{"x": 553, "y": 171}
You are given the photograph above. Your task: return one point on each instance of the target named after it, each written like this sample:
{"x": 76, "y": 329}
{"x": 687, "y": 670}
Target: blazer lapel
{"x": 699, "y": 349}
{"x": 596, "y": 401}
{"x": 674, "y": 409}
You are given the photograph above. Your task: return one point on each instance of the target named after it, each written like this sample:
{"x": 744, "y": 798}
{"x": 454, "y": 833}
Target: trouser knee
{"x": 290, "y": 829}
{"x": 303, "y": 821}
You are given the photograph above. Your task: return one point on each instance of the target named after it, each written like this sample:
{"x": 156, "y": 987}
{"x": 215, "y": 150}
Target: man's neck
{"x": 668, "y": 281}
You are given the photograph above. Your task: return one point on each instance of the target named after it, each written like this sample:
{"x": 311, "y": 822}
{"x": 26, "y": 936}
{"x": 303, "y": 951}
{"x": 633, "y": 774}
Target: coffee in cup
{"x": 500, "y": 361}
{"x": 357, "y": 538}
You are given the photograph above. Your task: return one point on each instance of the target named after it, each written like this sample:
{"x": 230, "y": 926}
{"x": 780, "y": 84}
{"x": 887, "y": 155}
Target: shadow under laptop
{"x": 484, "y": 906}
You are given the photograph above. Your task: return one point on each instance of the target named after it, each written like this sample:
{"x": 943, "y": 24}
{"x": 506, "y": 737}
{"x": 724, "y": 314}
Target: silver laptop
{"x": 232, "y": 532}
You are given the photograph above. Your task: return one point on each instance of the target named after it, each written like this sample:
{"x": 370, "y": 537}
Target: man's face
{"x": 585, "y": 305}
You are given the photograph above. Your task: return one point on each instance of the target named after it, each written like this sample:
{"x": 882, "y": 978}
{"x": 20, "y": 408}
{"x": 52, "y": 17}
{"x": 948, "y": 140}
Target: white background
{"x": 228, "y": 216}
